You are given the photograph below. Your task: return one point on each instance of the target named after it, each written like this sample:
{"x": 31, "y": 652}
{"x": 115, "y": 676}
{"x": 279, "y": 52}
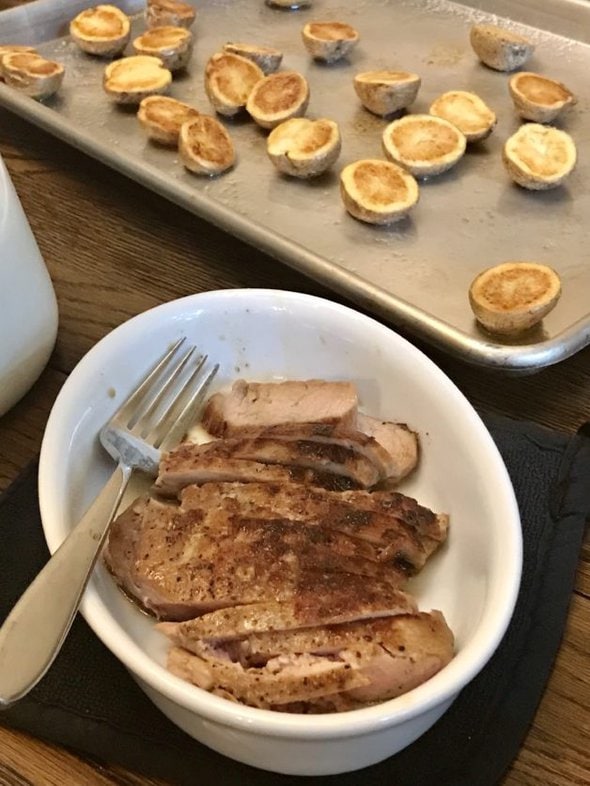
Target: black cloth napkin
{"x": 89, "y": 703}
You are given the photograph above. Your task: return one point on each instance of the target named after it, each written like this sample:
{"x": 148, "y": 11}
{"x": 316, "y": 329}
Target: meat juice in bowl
{"x": 473, "y": 580}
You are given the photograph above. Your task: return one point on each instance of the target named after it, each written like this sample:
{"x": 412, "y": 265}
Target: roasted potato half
{"x": 131, "y": 79}
{"x": 500, "y": 49}
{"x": 386, "y": 92}
{"x": 304, "y": 148}
{"x": 173, "y": 45}
{"x": 539, "y": 98}
{"x": 265, "y": 57}
{"x": 289, "y": 5}
{"x": 162, "y": 118}
{"x": 277, "y": 98}
{"x": 539, "y": 157}
{"x": 467, "y": 111}
{"x": 377, "y": 192}
{"x": 32, "y": 74}
{"x": 229, "y": 81}
{"x": 14, "y": 49}
{"x": 512, "y": 297}
{"x": 173, "y": 13}
{"x": 425, "y": 145}
{"x": 102, "y": 30}
{"x": 205, "y": 146}
{"x": 329, "y": 41}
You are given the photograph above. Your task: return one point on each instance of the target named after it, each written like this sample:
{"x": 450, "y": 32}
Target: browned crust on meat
{"x": 339, "y": 603}
{"x": 393, "y": 540}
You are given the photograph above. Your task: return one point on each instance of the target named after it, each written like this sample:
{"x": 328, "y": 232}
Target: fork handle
{"x": 35, "y": 629}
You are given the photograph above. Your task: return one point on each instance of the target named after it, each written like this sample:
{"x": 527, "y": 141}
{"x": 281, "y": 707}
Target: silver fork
{"x": 154, "y": 418}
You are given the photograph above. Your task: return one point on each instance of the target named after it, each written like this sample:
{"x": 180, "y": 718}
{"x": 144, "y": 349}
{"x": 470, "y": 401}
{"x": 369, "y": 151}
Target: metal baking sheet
{"x": 416, "y": 273}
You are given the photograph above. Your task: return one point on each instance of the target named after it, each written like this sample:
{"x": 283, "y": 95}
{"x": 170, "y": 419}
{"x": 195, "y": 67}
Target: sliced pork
{"x": 306, "y": 412}
{"x": 182, "y": 563}
{"x": 326, "y": 601}
{"x": 397, "y": 442}
{"x": 190, "y": 464}
{"x": 401, "y": 531}
{"x": 392, "y": 448}
{"x": 361, "y": 661}
{"x": 219, "y": 460}
{"x": 252, "y": 406}
{"x": 290, "y": 678}
{"x": 278, "y": 563}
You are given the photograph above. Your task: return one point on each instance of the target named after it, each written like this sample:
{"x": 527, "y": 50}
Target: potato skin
{"x": 384, "y": 99}
{"x": 500, "y": 49}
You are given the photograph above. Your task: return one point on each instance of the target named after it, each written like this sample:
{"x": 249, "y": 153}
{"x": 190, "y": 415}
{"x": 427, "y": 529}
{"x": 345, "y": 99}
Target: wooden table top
{"x": 114, "y": 250}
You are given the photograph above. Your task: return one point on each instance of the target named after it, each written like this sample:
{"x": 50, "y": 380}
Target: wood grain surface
{"x": 113, "y": 250}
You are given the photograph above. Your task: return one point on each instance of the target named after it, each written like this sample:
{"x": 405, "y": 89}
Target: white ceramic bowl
{"x": 261, "y": 334}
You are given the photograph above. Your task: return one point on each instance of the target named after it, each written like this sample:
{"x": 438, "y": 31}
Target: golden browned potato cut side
{"x": 539, "y": 98}
{"x": 102, "y": 30}
{"x": 229, "y": 82}
{"x": 162, "y": 118}
{"x": 32, "y": 74}
{"x": 539, "y": 157}
{"x": 377, "y": 192}
{"x": 173, "y": 45}
{"x": 512, "y": 297}
{"x": 131, "y": 79}
{"x": 277, "y": 98}
{"x": 424, "y": 144}
{"x": 205, "y": 146}
{"x": 467, "y": 111}
{"x": 9, "y": 49}
{"x": 304, "y": 148}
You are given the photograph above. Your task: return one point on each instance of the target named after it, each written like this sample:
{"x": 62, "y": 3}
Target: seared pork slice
{"x": 391, "y": 447}
{"x": 310, "y": 547}
{"x": 251, "y": 406}
{"x": 389, "y": 656}
{"x": 344, "y": 441}
{"x": 423, "y": 521}
{"x": 192, "y": 464}
{"x": 120, "y": 551}
{"x": 414, "y": 649}
{"x": 179, "y": 464}
{"x": 182, "y": 563}
{"x": 325, "y": 456}
{"x": 415, "y": 633}
{"x": 145, "y": 552}
{"x": 289, "y": 678}
{"x": 397, "y": 441}
{"x": 393, "y": 460}
{"x": 355, "y": 514}
{"x": 324, "y": 600}
{"x": 434, "y": 526}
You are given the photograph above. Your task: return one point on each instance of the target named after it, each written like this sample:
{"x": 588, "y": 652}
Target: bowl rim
{"x": 441, "y": 688}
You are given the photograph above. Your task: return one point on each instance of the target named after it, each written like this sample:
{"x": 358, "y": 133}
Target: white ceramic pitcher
{"x": 28, "y": 308}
